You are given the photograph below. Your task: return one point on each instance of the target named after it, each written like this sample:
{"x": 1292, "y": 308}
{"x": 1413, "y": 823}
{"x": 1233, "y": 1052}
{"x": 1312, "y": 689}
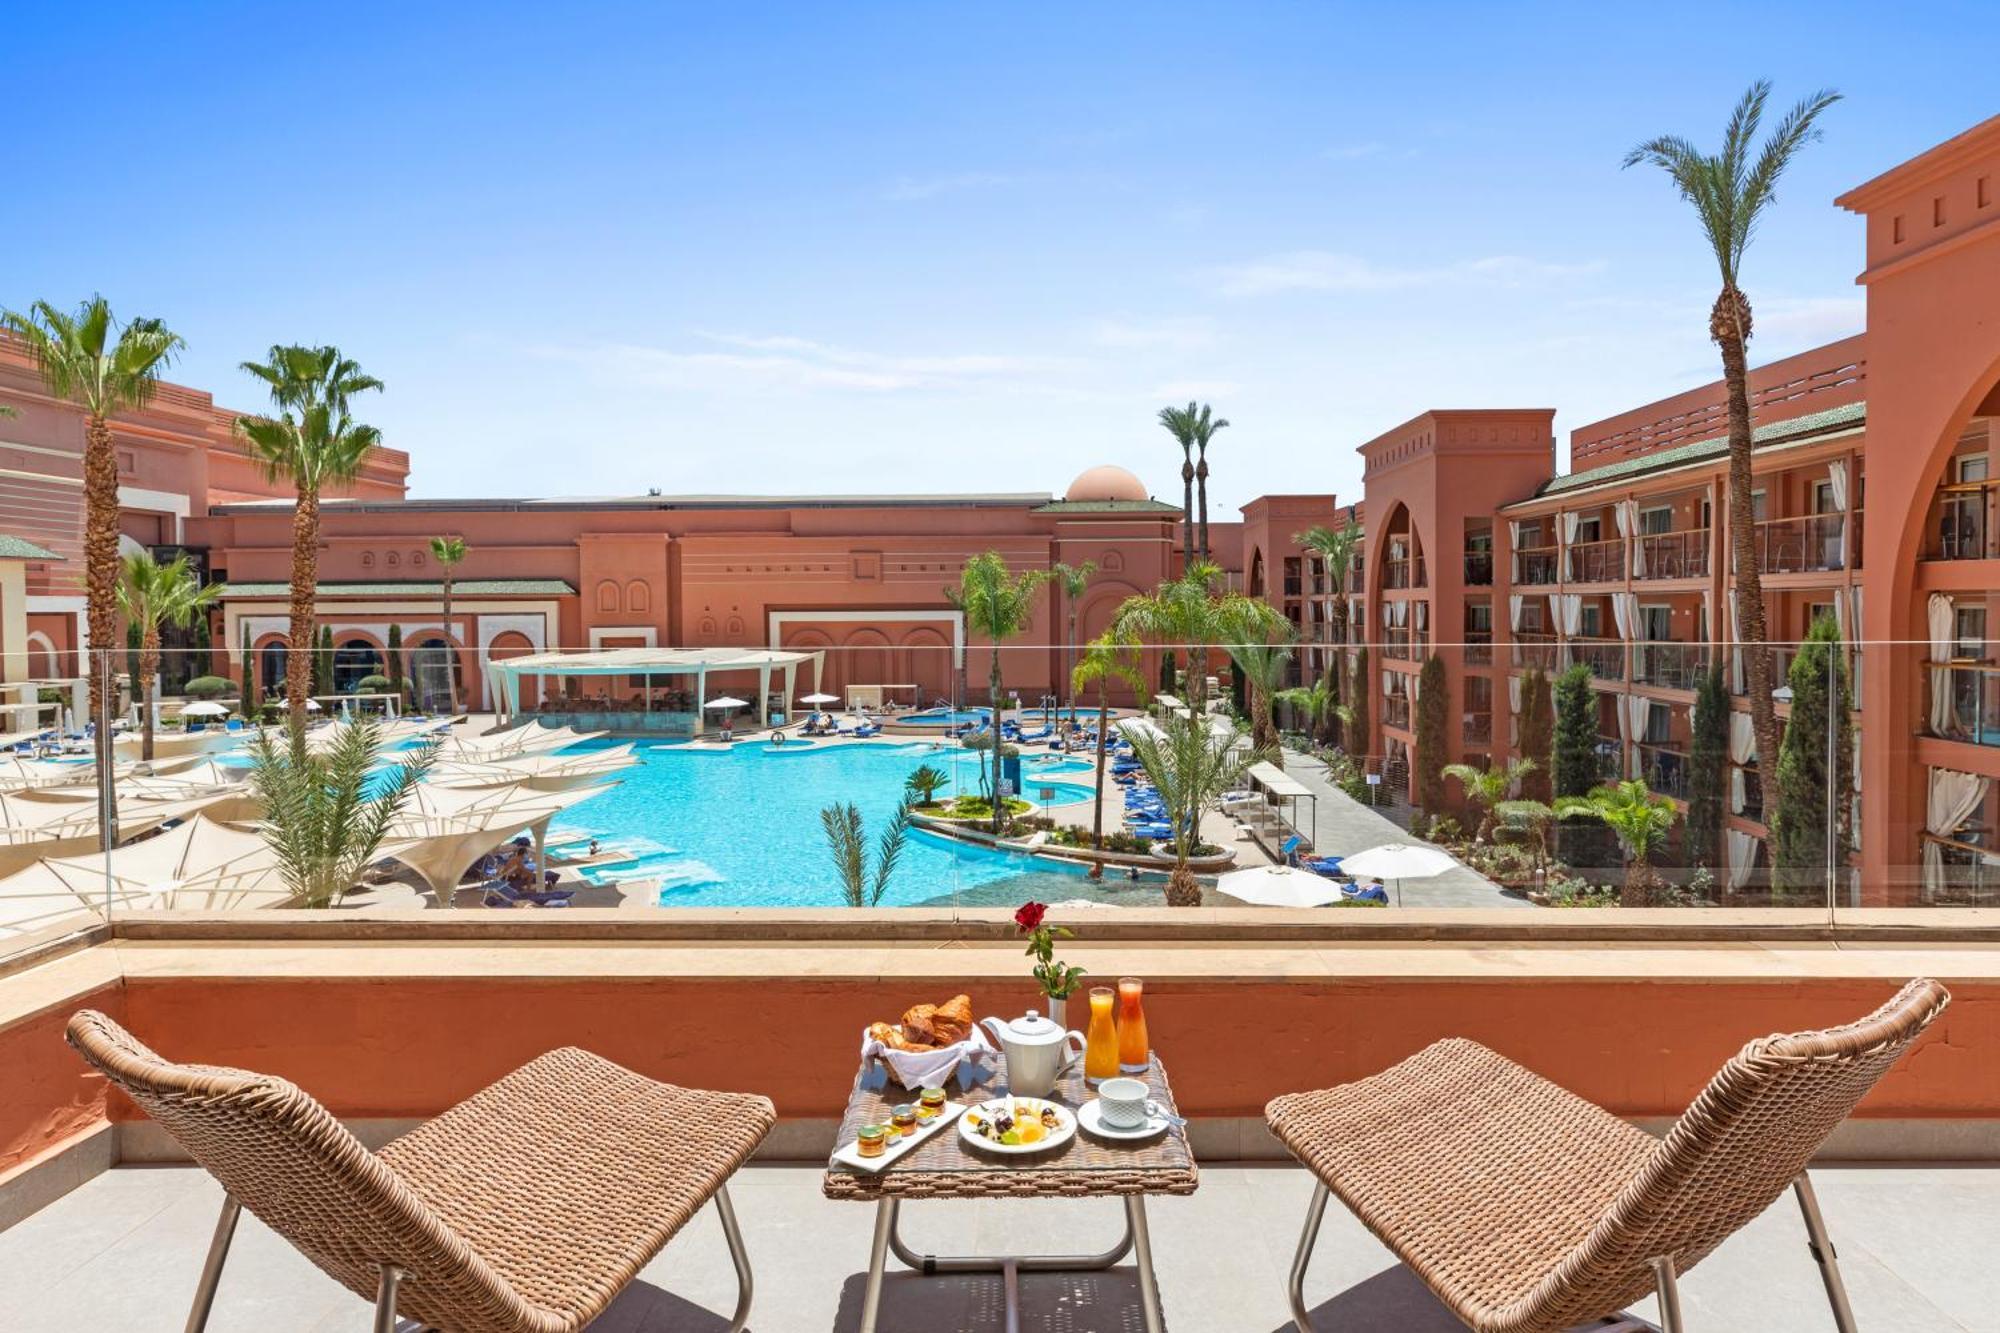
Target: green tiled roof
{"x": 1107, "y": 507}
{"x": 1791, "y": 428}
{"x": 459, "y": 588}
{"x": 20, "y": 548}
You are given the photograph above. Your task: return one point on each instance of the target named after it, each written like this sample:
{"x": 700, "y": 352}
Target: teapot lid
{"x": 1032, "y": 1024}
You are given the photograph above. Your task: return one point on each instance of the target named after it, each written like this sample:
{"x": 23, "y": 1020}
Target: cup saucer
{"x": 1090, "y": 1117}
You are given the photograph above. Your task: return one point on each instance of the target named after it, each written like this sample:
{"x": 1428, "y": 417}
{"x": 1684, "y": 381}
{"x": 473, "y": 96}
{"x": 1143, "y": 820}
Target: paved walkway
{"x": 1346, "y": 826}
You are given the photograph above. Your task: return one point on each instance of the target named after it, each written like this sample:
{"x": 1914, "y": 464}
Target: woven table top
{"x": 945, "y": 1167}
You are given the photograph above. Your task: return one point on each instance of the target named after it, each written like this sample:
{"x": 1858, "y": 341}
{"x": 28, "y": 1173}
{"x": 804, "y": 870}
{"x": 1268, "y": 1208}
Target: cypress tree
{"x": 1574, "y": 771}
{"x": 1358, "y": 738}
{"x": 248, "y": 702}
{"x": 1815, "y": 765}
{"x": 322, "y": 662}
{"x": 1336, "y": 667}
{"x": 1433, "y": 716}
{"x": 1170, "y": 671}
{"x": 1708, "y": 771}
{"x": 393, "y": 667}
{"x": 1538, "y": 735}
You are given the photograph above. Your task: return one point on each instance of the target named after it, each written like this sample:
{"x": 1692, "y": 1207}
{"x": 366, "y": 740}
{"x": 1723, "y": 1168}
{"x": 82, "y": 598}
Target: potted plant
{"x": 1058, "y": 981}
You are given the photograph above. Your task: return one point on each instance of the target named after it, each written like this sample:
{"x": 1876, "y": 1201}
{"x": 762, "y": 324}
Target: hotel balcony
{"x": 1669, "y": 665}
{"x": 1971, "y": 708}
{"x": 1664, "y": 768}
{"x": 1407, "y": 572}
{"x": 1962, "y": 522}
{"x": 1672, "y": 555}
{"x": 1476, "y": 729}
{"x": 1478, "y": 569}
{"x": 1807, "y": 544}
{"x": 1597, "y": 562}
{"x": 1477, "y": 650}
{"x": 1969, "y": 873}
{"x": 1533, "y": 648}
{"x": 1604, "y": 657}
{"x": 1396, "y": 711}
{"x": 104, "y": 1222}
{"x": 1535, "y": 565}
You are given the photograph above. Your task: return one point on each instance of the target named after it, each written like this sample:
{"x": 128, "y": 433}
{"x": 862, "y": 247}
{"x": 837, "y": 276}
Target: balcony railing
{"x": 1972, "y": 709}
{"x": 1962, "y": 523}
{"x": 1396, "y": 711}
{"x": 1357, "y": 579}
{"x": 1479, "y": 569}
{"x": 1753, "y": 794}
{"x": 1405, "y": 573}
{"x": 1669, "y": 664}
{"x": 1807, "y": 544}
{"x": 1294, "y": 585}
{"x": 1673, "y": 555}
{"x": 1971, "y": 873}
{"x": 1532, "y": 648}
{"x": 1610, "y": 759}
{"x": 1604, "y": 657}
{"x": 1535, "y": 564}
{"x": 1477, "y": 728}
{"x": 1396, "y": 644}
{"x": 1664, "y": 769}
{"x": 1478, "y": 649}
{"x": 1597, "y": 562}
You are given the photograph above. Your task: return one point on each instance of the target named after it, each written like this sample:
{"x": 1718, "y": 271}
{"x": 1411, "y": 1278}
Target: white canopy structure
{"x": 31, "y": 829}
{"x": 174, "y": 744}
{"x": 19, "y": 774}
{"x": 442, "y": 830}
{"x": 200, "y": 866}
{"x": 529, "y": 738}
{"x": 539, "y": 772}
{"x": 390, "y": 731}
{"x": 505, "y": 675}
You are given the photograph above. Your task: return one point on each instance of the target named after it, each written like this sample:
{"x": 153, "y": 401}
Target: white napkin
{"x": 930, "y": 1068}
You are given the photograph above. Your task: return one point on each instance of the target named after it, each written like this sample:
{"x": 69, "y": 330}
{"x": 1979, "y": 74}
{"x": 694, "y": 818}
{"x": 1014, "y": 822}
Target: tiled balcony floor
{"x": 121, "y": 1255}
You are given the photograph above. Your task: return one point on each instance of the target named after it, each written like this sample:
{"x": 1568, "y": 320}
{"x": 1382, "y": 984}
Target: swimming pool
{"x": 952, "y": 717}
{"x": 741, "y": 827}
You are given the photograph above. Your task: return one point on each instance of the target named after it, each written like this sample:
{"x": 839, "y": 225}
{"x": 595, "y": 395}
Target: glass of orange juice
{"x": 1135, "y": 1048}
{"x": 1100, "y": 1043}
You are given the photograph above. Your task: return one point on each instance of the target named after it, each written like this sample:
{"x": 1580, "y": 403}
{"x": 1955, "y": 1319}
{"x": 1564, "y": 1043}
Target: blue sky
{"x": 597, "y": 248}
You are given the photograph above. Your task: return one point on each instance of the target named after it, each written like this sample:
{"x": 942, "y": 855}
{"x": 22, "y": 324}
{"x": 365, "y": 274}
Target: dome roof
{"x": 1107, "y": 481}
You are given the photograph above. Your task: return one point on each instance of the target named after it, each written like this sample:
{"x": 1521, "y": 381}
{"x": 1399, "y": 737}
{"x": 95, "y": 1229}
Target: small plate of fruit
{"x": 1017, "y": 1125}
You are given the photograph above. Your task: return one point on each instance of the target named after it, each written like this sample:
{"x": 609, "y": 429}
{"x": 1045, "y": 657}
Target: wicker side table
{"x": 944, "y": 1167}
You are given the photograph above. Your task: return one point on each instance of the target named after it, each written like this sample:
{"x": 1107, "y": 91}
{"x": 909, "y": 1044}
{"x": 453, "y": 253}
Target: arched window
{"x": 637, "y": 596}
{"x": 353, "y": 661}
{"x": 433, "y": 669}
{"x": 271, "y": 666}
{"x": 607, "y": 595}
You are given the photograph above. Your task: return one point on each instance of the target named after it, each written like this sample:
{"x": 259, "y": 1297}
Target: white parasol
{"x": 1278, "y": 886}
{"x": 1396, "y": 862}
{"x": 205, "y": 709}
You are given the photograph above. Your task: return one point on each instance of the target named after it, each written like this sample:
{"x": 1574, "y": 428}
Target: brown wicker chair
{"x": 1527, "y": 1209}
{"x": 526, "y": 1208}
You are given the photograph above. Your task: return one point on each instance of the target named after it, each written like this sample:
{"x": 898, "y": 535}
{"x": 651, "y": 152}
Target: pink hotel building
{"x": 1877, "y": 477}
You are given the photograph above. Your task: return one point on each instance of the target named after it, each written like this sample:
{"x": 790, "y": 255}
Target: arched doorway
{"x": 434, "y": 667}
{"x": 509, "y": 644}
{"x": 271, "y": 667}
{"x": 354, "y": 661}
{"x": 928, "y": 664}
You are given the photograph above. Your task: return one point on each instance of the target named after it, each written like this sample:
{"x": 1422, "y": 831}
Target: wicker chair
{"x": 526, "y": 1208}
{"x": 1527, "y": 1209}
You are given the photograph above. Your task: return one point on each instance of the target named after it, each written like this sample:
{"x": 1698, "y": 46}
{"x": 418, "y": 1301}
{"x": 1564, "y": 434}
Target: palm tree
{"x": 1336, "y": 549}
{"x": 448, "y": 552}
{"x": 1530, "y": 819}
{"x": 1318, "y": 702}
{"x": 1105, "y": 660}
{"x": 1191, "y": 764}
{"x": 1074, "y": 580}
{"x": 1487, "y": 787}
{"x": 87, "y": 358}
{"x": 1193, "y": 427}
{"x": 999, "y": 605}
{"x": 1264, "y": 667}
{"x": 151, "y": 595}
{"x": 924, "y": 784}
{"x": 314, "y": 441}
{"x": 1641, "y": 820}
{"x": 324, "y": 814}
{"x": 847, "y": 840}
{"x": 1730, "y": 191}
{"x": 1187, "y": 612}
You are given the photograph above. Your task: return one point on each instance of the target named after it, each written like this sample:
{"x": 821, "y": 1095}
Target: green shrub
{"x": 373, "y": 685}
{"x": 208, "y": 687}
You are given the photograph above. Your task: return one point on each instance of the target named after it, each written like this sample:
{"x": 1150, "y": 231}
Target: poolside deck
{"x": 121, "y": 1255}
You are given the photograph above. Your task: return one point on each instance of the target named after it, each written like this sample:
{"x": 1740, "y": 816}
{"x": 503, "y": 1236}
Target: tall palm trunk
{"x": 1097, "y": 810}
{"x": 1729, "y": 326}
{"x": 100, "y": 555}
{"x": 1187, "y": 507}
{"x": 305, "y": 581}
{"x": 999, "y": 801}
{"x": 450, "y": 651}
{"x": 149, "y": 671}
{"x": 1201, "y": 489}
{"x": 1069, "y": 658}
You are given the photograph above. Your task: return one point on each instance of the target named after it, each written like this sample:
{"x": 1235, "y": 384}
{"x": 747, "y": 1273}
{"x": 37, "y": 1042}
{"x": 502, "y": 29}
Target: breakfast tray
{"x": 944, "y": 1167}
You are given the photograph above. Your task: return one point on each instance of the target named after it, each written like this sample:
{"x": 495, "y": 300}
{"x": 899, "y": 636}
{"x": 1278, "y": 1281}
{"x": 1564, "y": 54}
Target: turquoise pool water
{"x": 741, "y": 827}
{"x": 1029, "y": 717}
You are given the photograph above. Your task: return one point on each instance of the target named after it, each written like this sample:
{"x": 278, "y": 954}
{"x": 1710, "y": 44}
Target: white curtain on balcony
{"x": 1954, "y": 798}
{"x": 1742, "y": 749}
{"x": 1736, "y": 677}
{"x": 1625, "y": 611}
{"x": 1840, "y": 614}
{"x": 1640, "y": 709}
{"x": 1739, "y": 849}
{"x": 1423, "y": 615}
{"x": 1514, "y": 707}
{"x": 1943, "y": 637}
{"x": 1836, "y": 473}
{"x": 1707, "y": 617}
{"x": 1401, "y": 613}
{"x": 1570, "y": 522}
{"x": 1572, "y": 613}
{"x": 1628, "y": 528}
{"x": 1515, "y": 601}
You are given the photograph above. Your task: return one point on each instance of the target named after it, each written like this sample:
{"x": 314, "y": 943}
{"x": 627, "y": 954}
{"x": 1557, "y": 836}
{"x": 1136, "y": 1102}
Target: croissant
{"x": 919, "y": 1023}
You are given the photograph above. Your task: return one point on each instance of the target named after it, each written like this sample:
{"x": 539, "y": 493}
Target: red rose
{"x": 1030, "y": 915}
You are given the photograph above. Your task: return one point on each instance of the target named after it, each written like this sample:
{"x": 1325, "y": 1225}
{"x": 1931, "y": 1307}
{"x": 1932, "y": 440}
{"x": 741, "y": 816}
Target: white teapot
{"x": 1036, "y": 1051}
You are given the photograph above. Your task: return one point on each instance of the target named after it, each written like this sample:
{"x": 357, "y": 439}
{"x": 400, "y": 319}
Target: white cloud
{"x": 785, "y": 362}
{"x": 1331, "y": 271}
{"x": 1183, "y": 333}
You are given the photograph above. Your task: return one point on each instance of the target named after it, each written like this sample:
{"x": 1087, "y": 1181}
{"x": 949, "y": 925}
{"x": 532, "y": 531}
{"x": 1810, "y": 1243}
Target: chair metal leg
{"x": 1823, "y": 1254}
{"x": 1670, "y": 1295}
{"x": 1296, "y": 1289}
{"x": 1142, "y": 1251}
{"x": 738, "y": 1256}
{"x": 385, "y": 1298}
{"x": 211, "y": 1267}
{"x": 878, "y": 1260}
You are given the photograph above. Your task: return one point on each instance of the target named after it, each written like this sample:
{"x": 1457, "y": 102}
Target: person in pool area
{"x": 593, "y": 846}
{"x": 516, "y": 871}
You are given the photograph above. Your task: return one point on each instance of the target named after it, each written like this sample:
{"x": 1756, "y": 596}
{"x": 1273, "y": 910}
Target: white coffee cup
{"x": 1122, "y": 1103}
